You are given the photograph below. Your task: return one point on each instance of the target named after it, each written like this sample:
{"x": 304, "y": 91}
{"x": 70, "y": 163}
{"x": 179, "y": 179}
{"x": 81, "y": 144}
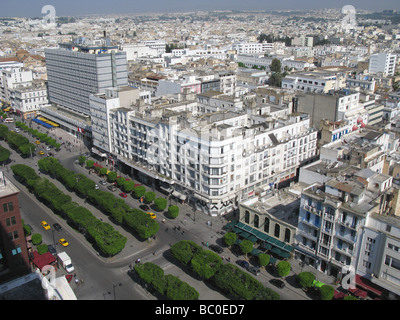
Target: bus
{"x": 9, "y": 120}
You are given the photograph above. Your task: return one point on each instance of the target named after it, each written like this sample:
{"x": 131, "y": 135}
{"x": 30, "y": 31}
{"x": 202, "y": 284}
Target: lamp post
{"x": 114, "y": 286}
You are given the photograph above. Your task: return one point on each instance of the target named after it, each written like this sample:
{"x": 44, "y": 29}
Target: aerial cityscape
{"x": 217, "y": 151}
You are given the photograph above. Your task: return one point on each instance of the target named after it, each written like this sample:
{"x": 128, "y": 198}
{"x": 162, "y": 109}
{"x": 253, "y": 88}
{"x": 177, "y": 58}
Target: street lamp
{"x": 114, "y": 286}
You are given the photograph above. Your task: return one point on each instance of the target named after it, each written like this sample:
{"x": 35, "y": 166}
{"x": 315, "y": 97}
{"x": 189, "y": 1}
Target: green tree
{"x": 246, "y": 246}
{"x": 184, "y": 250}
{"x": 263, "y": 259}
{"x": 89, "y": 163}
{"x": 139, "y": 191}
{"x": 4, "y": 154}
{"x": 327, "y": 292}
{"x": 112, "y": 176}
{"x": 129, "y": 186}
{"x": 179, "y": 290}
{"x": 42, "y": 248}
{"x": 276, "y": 65}
{"x": 161, "y": 204}
{"x": 103, "y": 171}
{"x": 306, "y": 279}
{"x": 173, "y": 211}
{"x": 283, "y": 268}
{"x": 36, "y": 239}
{"x": 205, "y": 263}
{"x": 230, "y": 238}
{"x": 149, "y": 196}
{"x": 81, "y": 160}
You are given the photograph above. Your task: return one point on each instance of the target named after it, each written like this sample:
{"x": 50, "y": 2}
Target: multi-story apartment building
{"x": 75, "y": 71}
{"x": 317, "y": 81}
{"x": 10, "y": 78}
{"x": 14, "y": 259}
{"x": 210, "y": 158}
{"x": 382, "y": 62}
{"x": 250, "y": 60}
{"x": 27, "y": 100}
{"x": 336, "y": 106}
{"x": 252, "y": 47}
{"x": 332, "y": 216}
{"x": 379, "y": 255}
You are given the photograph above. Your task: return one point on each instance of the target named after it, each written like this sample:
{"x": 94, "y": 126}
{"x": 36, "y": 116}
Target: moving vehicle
{"x": 102, "y": 182}
{"x": 243, "y": 263}
{"x": 57, "y": 227}
{"x": 41, "y": 152}
{"x": 16, "y": 130}
{"x": 66, "y": 262}
{"x": 216, "y": 248}
{"x": 144, "y": 207}
{"x": 45, "y": 225}
{"x": 96, "y": 187}
{"x": 278, "y": 283}
{"x": 47, "y": 148}
{"x": 123, "y": 194}
{"x": 9, "y": 120}
{"x": 63, "y": 242}
{"x": 37, "y": 142}
{"x": 152, "y": 215}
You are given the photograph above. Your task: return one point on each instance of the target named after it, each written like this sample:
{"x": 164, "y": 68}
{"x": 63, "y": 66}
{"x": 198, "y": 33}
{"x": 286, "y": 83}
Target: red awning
{"x": 367, "y": 285}
{"x": 355, "y": 128}
{"x": 360, "y": 293}
{"x": 41, "y": 260}
{"x": 338, "y": 295}
{"x": 97, "y": 165}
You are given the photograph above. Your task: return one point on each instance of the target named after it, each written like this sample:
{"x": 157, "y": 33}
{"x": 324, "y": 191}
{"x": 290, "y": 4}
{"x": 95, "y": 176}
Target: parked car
{"x": 216, "y": 248}
{"x": 96, "y": 187}
{"x": 45, "y": 225}
{"x": 123, "y": 194}
{"x": 57, "y": 227}
{"x": 52, "y": 250}
{"x": 112, "y": 188}
{"x": 47, "y": 148}
{"x": 278, "y": 283}
{"x": 41, "y": 152}
{"x": 103, "y": 183}
{"x": 254, "y": 270}
{"x": 37, "y": 142}
{"x": 144, "y": 207}
{"x": 243, "y": 263}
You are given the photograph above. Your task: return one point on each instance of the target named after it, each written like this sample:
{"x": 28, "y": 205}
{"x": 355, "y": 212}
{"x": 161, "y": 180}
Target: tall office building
{"x": 75, "y": 71}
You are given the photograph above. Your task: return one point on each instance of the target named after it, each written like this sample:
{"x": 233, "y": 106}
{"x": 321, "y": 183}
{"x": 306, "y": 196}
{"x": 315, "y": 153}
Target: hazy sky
{"x": 33, "y": 8}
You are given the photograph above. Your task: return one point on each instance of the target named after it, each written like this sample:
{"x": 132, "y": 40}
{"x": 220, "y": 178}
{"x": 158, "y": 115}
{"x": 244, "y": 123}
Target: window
{"x": 11, "y": 221}
{"x": 277, "y": 230}
{"x": 247, "y": 216}
{"x": 266, "y": 225}
{"x": 388, "y": 228}
{"x": 256, "y": 221}
{"x": 8, "y": 206}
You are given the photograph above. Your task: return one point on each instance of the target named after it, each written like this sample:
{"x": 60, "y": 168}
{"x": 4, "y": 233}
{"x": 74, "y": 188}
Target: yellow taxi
{"x": 37, "y": 142}
{"x": 152, "y": 215}
{"x": 63, "y": 242}
{"x": 45, "y": 225}
{"x": 41, "y": 152}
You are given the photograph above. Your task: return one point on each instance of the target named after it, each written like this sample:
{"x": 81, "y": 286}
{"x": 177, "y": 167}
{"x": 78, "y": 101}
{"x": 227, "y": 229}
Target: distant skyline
{"x": 33, "y": 8}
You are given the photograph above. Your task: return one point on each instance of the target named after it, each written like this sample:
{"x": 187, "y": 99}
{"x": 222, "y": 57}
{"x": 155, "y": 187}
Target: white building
{"x": 210, "y": 159}
{"x": 10, "y": 78}
{"x": 27, "y": 100}
{"x": 382, "y": 62}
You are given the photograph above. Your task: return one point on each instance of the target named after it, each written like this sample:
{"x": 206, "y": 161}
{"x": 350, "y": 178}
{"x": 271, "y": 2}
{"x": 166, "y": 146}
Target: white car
{"x": 47, "y": 148}
{"x": 96, "y": 187}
